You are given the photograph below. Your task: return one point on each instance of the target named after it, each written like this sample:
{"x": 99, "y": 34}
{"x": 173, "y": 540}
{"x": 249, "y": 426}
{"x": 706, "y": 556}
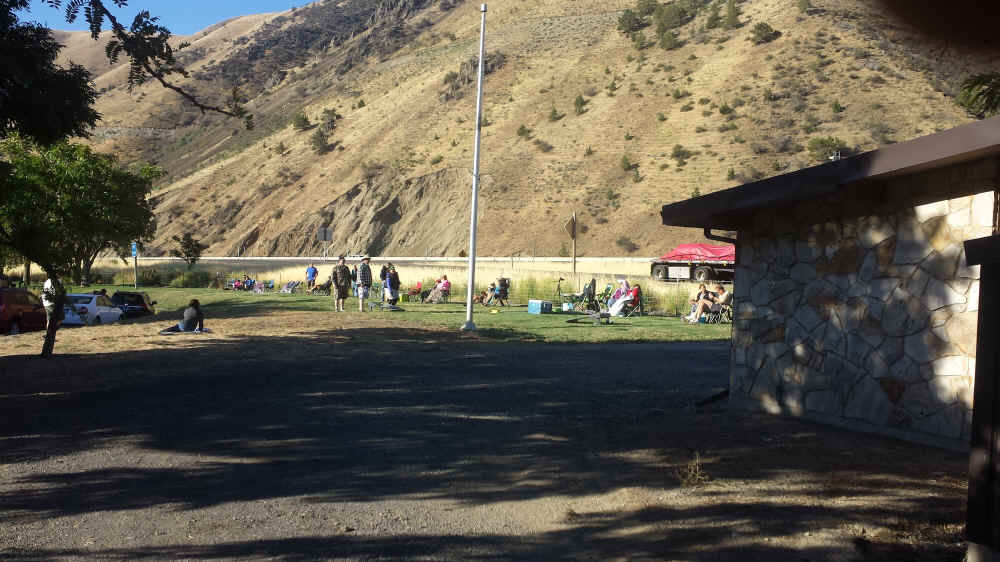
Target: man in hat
{"x": 364, "y": 281}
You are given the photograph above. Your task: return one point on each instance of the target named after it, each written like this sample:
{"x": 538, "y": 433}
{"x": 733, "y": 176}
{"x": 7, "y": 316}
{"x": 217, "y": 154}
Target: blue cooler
{"x": 539, "y": 307}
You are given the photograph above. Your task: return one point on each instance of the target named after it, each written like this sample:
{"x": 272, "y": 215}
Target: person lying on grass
{"x": 194, "y": 320}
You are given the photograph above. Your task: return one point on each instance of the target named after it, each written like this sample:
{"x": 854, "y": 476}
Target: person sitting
{"x": 619, "y": 293}
{"x": 491, "y": 294}
{"x": 442, "y": 288}
{"x": 703, "y": 292}
{"x": 713, "y": 302}
{"x": 193, "y": 320}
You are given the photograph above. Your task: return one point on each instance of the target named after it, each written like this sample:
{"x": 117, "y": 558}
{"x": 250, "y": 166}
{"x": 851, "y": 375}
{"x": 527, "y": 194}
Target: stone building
{"x": 853, "y": 303}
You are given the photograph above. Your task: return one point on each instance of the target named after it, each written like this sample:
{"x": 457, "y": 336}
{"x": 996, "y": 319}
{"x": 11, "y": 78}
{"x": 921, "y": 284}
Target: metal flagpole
{"x": 469, "y": 324}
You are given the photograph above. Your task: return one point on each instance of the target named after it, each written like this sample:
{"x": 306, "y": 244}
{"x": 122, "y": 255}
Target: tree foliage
{"x": 629, "y": 22}
{"x": 38, "y": 98}
{"x": 732, "y": 19}
{"x": 763, "y": 33}
{"x": 62, "y": 205}
{"x": 301, "y": 122}
{"x": 188, "y": 249}
{"x": 980, "y": 94}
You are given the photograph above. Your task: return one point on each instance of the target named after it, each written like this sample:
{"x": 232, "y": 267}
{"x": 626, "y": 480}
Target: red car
{"x": 20, "y": 311}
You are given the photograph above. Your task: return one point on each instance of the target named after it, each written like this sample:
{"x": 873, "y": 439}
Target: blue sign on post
{"x": 135, "y": 249}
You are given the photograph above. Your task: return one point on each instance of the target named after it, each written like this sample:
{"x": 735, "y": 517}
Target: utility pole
{"x": 469, "y": 324}
{"x": 135, "y": 265}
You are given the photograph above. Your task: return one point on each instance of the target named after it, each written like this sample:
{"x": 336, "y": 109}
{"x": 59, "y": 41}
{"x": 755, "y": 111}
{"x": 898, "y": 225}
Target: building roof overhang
{"x": 732, "y": 208}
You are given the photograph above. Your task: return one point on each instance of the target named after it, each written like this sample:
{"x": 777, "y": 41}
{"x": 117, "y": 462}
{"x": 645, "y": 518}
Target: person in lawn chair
{"x": 499, "y": 292}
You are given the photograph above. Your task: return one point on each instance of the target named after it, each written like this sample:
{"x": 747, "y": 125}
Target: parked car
{"x": 88, "y": 310}
{"x": 20, "y": 311}
{"x": 133, "y": 303}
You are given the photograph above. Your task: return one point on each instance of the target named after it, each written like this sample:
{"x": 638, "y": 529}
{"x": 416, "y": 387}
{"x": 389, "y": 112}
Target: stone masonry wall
{"x": 867, "y": 321}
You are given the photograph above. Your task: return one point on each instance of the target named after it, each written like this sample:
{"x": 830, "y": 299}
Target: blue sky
{"x": 182, "y": 17}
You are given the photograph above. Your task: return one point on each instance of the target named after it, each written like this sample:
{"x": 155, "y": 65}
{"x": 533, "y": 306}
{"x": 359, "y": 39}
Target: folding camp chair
{"x": 635, "y": 307}
{"x": 721, "y": 315}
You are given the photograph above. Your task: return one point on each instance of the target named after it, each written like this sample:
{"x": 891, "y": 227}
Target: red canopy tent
{"x": 701, "y": 253}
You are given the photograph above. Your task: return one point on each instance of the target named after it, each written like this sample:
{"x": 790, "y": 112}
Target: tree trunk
{"x": 54, "y": 317}
{"x": 27, "y": 274}
{"x": 86, "y": 272}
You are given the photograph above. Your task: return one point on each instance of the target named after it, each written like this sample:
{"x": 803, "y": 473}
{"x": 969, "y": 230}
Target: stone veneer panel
{"x": 867, "y": 321}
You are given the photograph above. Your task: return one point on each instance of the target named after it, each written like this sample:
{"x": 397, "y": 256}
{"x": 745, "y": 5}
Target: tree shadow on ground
{"x": 359, "y": 415}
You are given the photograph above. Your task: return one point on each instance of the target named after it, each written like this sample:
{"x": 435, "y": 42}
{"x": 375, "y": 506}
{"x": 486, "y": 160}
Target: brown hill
{"x": 716, "y": 111}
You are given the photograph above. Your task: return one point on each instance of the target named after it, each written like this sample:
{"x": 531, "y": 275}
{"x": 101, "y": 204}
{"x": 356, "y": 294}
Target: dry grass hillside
{"x": 715, "y": 112}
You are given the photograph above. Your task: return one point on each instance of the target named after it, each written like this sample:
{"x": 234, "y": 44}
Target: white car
{"x": 88, "y": 310}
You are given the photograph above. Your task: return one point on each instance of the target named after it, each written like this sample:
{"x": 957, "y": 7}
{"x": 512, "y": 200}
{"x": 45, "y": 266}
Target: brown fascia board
{"x": 729, "y": 209}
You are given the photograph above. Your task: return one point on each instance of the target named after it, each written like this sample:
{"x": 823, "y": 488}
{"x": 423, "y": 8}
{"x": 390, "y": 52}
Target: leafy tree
{"x": 300, "y": 122}
{"x": 646, "y": 7}
{"x": 319, "y": 142}
{"x": 671, "y": 16}
{"x": 980, "y": 94}
{"x": 629, "y": 22}
{"x": 330, "y": 118}
{"x": 188, "y": 249}
{"x": 59, "y": 205}
{"x": 669, "y": 41}
{"x": 763, "y": 33}
{"x": 732, "y": 20}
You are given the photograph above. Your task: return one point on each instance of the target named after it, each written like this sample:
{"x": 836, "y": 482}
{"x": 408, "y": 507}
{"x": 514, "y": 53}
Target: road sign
{"x": 135, "y": 249}
{"x": 324, "y": 234}
{"x": 570, "y": 227}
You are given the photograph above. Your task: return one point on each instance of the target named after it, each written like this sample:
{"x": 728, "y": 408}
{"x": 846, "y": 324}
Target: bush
{"x": 192, "y": 280}
{"x": 724, "y": 109}
{"x": 319, "y": 143}
{"x": 580, "y": 105}
{"x": 523, "y": 132}
{"x": 679, "y": 94}
{"x": 627, "y": 244}
{"x": 437, "y": 159}
{"x": 669, "y": 41}
{"x": 824, "y": 148}
{"x": 627, "y": 164}
{"x": 554, "y": 115}
{"x": 151, "y": 278}
{"x": 300, "y": 122}
{"x": 763, "y": 33}
{"x": 543, "y": 146}
{"x": 630, "y": 22}
{"x": 836, "y": 107}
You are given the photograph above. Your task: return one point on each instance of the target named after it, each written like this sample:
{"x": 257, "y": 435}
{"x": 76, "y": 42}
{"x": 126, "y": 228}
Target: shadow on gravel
{"x": 365, "y": 414}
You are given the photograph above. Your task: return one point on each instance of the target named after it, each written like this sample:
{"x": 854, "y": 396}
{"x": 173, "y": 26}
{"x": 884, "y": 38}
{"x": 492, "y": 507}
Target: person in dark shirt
{"x": 342, "y": 282}
{"x": 364, "y": 281}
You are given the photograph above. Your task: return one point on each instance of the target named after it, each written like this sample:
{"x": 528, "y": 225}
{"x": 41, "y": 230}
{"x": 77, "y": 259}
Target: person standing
{"x": 392, "y": 286}
{"x": 382, "y": 275}
{"x": 311, "y": 273}
{"x": 364, "y": 281}
{"x": 342, "y": 283}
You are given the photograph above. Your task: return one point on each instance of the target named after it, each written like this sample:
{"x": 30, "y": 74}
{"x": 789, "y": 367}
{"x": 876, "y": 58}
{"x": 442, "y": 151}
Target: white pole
{"x": 469, "y": 324}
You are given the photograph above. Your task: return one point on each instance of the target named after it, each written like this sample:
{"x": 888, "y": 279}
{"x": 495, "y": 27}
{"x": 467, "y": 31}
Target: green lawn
{"x": 511, "y": 323}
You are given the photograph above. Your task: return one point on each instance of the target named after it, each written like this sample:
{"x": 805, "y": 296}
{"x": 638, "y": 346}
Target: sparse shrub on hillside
{"x": 626, "y": 244}
{"x": 361, "y": 103}
{"x": 787, "y": 145}
{"x": 680, "y": 154}
{"x": 524, "y": 132}
{"x": 704, "y": 101}
{"x": 301, "y": 122}
{"x": 695, "y": 192}
{"x": 580, "y": 105}
{"x": 724, "y": 109}
{"x": 627, "y": 164}
{"x": 727, "y": 127}
{"x": 731, "y": 174}
{"x": 700, "y": 129}
{"x": 714, "y": 18}
{"x": 612, "y": 87}
{"x": 318, "y": 142}
{"x": 554, "y": 115}
{"x": 763, "y": 33}
{"x": 639, "y": 40}
{"x": 823, "y": 148}
{"x": 680, "y": 94}
{"x": 629, "y": 136}
{"x": 370, "y": 169}
{"x": 880, "y": 132}
{"x": 281, "y": 149}
{"x": 588, "y": 152}
{"x": 436, "y": 160}
{"x": 636, "y": 178}
{"x": 804, "y": 6}
{"x": 329, "y": 120}
{"x": 661, "y": 117}
{"x": 543, "y": 146}
{"x": 732, "y": 19}
{"x": 687, "y": 107}
{"x": 836, "y": 107}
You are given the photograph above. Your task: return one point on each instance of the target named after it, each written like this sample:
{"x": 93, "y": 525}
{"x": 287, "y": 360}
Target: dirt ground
{"x": 361, "y": 441}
